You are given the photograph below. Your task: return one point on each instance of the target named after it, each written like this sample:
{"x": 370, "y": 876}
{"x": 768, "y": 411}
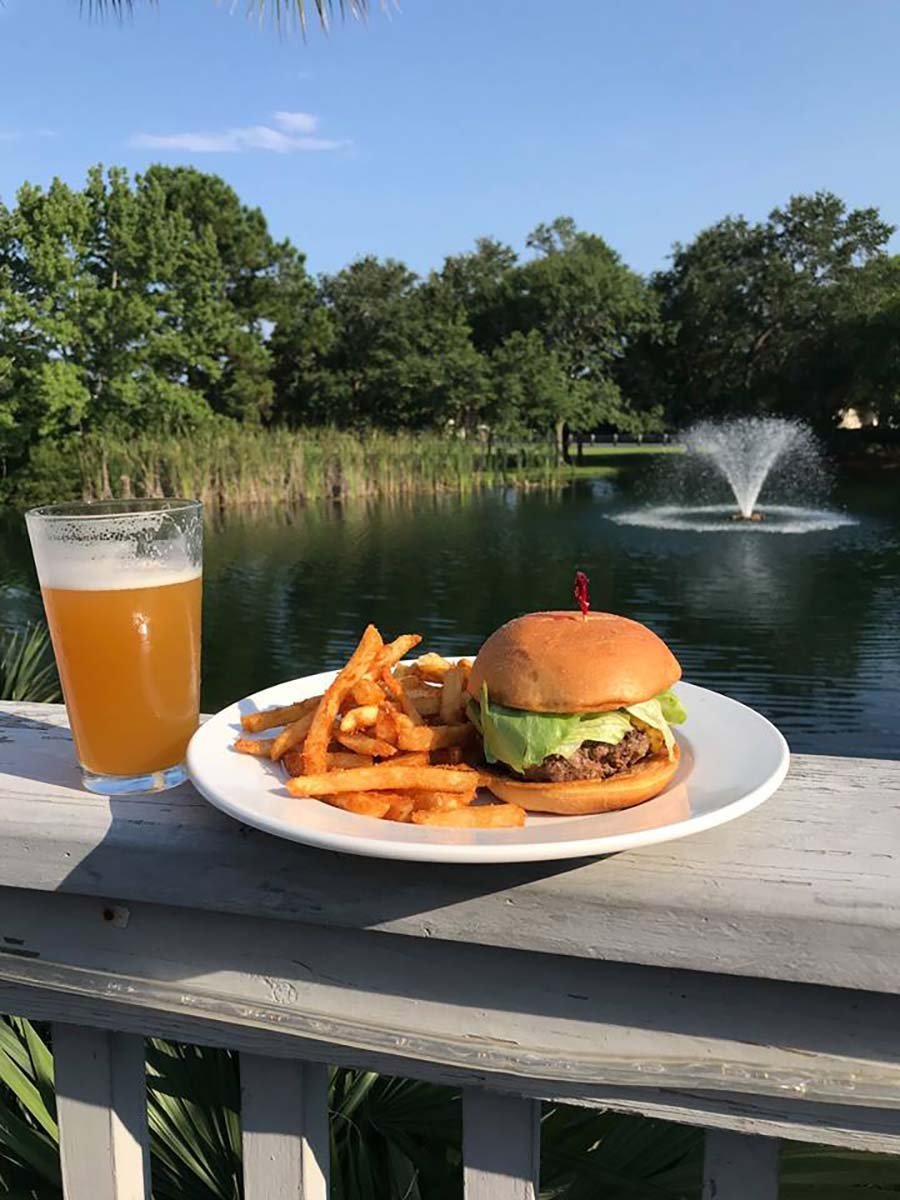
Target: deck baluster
{"x": 501, "y": 1146}
{"x": 284, "y": 1121}
{"x": 101, "y": 1098}
{"x": 740, "y": 1166}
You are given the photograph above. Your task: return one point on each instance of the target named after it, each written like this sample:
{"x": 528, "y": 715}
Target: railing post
{"x": 740, "y": 1166}
{"x": 284, "y": 1123}
{"x": 101, "y": 1100}
{"x": 501, "y": 1146}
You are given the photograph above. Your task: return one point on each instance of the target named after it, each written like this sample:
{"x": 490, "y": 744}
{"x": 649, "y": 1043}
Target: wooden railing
{"x": 742, "y": 980}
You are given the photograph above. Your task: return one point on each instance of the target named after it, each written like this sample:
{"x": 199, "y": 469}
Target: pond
{"x": 803, "y": 627}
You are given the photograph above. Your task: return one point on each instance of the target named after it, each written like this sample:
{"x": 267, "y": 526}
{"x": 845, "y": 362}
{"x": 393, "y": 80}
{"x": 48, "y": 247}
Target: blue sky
{"x": 420, "y": 130}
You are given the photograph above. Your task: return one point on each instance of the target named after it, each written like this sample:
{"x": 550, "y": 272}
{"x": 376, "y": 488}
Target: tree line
{"x": 162, "y": 304}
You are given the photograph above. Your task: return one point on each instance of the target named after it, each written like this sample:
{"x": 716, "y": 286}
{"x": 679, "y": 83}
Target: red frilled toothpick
{"x": 582, "y": 592}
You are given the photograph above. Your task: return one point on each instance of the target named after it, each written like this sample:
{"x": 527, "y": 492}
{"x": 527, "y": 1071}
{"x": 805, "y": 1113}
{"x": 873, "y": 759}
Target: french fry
{"x": 397, "y": 649}
{"x": 360, "y": 717}
{"x": 400, "y": 810}
{"x": 271, "y": 718}
{"x": 367, "y": 692}
{"x": 411, "y": 710}
{"x": 292, "y": 735}
{"x": 480, "y": 816}
{"x": 432, "y": 667}
{"x": 452, "y": 703}
{"x": 401, "y": 805}
{"x": 418, "y": 690}
{"x": 408, "y": 672}
{"x": 431, "y": 737}
{"x": 292, "y": 761}
{"x": 386, "y": 725}
{"x": 361, "y": 743}
{"x": 441, "y": 801}
{"x": 258, "y": 747}
{"x": 315, "y": 749}
{"x": 426, "y": 699}
{"x": 338, "y": 760}
{"x": 388, "y": 740}
{"x": 364, "y": 804}
{"x": 391, "y": 686}
{"x": 397, "y": 692}
{"x": 385, "y": 777}
{"x": 344, "y": 760}
{"x": 417, "y": 758}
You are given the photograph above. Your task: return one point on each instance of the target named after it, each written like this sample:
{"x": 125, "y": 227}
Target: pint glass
{"x": 121, "y": 584}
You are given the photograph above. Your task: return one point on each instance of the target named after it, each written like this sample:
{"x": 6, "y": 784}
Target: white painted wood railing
{"x": 744, "y": 980}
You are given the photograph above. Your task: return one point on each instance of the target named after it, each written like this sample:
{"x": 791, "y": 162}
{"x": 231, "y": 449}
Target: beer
{"x": 129, "y": 663}
{"x": 121, "y": 583}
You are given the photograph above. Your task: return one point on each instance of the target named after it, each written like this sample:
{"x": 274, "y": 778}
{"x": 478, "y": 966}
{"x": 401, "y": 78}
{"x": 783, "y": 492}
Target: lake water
{"x": 805, "y": 628}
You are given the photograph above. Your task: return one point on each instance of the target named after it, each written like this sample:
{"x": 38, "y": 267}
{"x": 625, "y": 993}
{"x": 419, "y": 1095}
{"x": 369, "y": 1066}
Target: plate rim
{"x": 488, "y": 851}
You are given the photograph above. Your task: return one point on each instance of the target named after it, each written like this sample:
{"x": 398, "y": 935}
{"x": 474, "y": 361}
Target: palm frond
{"x": 287, "y": 13}
{"x": 27, "y": 669}
{"x": 284, "y": 13}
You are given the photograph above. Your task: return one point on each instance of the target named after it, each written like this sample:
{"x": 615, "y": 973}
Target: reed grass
{"x": 230, "y": 466}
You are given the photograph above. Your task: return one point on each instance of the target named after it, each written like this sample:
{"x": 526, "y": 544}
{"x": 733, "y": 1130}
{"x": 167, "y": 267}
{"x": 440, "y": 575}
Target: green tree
{"x": 389, "y": 352}
{"x": 861, "y": 359}
{"x": 137, "y": 305}
{"x": 589, "y": 307}
{"x": 249, "y": 282}
{"x": 532, "y": 391}
{"x": 483, "y": 283}
{"x": 584, "y": 305}
{"x": 760, "y": 313}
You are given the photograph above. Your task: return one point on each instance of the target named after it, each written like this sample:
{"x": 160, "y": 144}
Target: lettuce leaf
{"x": 672, "y": 708}
{"x": 524, "y": 739}
{"x": 651, "y": 713}
{"x": 609, "y": 727}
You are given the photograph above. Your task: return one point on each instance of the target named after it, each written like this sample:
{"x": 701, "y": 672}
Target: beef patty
{"x": 592, "y": 760}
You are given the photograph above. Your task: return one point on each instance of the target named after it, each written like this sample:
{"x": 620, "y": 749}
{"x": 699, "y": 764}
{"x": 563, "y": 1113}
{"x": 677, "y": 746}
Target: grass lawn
{"x": 602, "y": 462}
{"x": 605, "y": 451}
{"x": 605, "y": 461}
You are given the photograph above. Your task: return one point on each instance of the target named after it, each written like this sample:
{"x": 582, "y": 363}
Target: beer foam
{"x": 109, "y": 567}
{"x": 112, "y": 553}
{"x": 95, "y": 574}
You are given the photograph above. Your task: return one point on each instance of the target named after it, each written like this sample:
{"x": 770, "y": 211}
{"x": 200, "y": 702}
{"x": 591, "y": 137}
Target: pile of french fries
{"x": 387, "y": 739}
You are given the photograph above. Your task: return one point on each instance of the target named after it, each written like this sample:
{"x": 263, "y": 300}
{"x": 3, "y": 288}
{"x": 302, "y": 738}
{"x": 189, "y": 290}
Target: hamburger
{"x": 575, "y": 712}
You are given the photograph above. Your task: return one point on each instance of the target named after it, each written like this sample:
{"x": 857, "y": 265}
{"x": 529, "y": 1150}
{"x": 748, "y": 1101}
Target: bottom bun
{"x": 582, "y": 796}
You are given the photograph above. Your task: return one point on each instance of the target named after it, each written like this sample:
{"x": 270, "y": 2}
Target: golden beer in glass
{"x": 121, "y": 584}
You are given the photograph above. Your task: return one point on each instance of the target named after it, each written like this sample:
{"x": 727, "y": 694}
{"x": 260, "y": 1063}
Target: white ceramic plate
{"x": 732, "y": 759}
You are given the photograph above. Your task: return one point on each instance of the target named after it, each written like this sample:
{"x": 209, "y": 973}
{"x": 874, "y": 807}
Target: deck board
{"x": 806, "y": 888}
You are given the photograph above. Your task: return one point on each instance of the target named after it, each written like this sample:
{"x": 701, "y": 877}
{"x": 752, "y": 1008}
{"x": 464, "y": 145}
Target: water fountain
{"x": 745, "y": 452}
{"x": 751, "y": 455}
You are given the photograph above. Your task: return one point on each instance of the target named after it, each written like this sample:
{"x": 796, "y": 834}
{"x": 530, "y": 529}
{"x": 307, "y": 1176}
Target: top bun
{"x": 564, "y": 662}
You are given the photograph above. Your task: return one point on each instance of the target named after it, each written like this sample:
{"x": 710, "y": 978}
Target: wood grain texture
{"x": 863, "y": 1127}
{"x": 478, "y": 1009}
{"x": 796, "y": 890}
{"x": 737, "y": 1167}
{"x": 101, "y": 1097}
{"x": 501, "y": 1146}
{"x": 284, "y": 1129}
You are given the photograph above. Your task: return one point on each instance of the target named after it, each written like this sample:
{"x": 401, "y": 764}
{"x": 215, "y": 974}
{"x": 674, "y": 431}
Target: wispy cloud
{"x": 20, "y": 135}
{"x": 289, "y": 133}
{"x": 297, "y": 122}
